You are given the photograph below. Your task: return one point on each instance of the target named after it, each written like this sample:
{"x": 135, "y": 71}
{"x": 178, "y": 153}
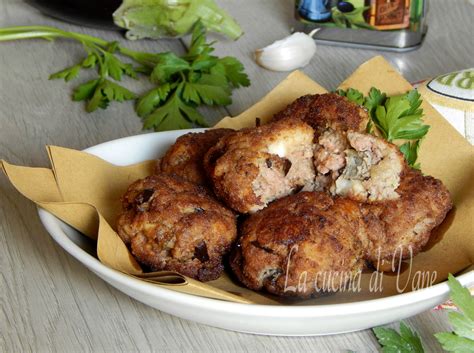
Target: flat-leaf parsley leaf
{"x": 461, "y": 340}
{"x": 182, "y": 82}
{"x": 395, "y": 118}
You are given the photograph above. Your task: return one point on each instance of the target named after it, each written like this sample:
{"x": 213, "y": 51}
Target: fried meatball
{"x": 171, "y": 224}
{"x": 403, "y": 226}
{"x": 301, "y": 245}
{"x": 328, "y": 110}
{"x": 185, "y": 157}
{"x": 360, "y": 166}
{"x": 255, "y": 166}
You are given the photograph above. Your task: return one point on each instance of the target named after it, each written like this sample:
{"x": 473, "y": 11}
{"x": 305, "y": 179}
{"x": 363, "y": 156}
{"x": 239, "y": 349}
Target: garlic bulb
{"x": 288, "y": 53}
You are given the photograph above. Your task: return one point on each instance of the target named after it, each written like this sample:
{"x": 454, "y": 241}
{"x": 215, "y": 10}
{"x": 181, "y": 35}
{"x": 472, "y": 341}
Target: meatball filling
{"x": 255, "y": 166}
{"x": 288, "y": 170}
{"x": 357, "y": 165}
{"x": 329, "y": 156}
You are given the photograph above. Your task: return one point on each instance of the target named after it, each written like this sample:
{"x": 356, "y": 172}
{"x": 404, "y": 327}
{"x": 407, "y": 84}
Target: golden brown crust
{"x": 172, "y": 224}
{"x": 329, "y": 110}
{"x": 289, "y": 247}
{"x": 398, "y": 225}
{"x": 243, "y": 165}
{"x": 185, "y": 157}
{"x": 316, "y": 233}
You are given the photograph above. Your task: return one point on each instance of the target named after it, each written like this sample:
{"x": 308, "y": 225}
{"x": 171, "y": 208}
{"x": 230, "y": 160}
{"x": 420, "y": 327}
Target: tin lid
{"x": 453, "y": 96}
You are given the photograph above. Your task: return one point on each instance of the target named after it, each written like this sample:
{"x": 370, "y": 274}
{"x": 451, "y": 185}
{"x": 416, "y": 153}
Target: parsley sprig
{"x": 182, "y": 83}
{"x": 392, "y": 341}
{"x": 395, "y": 118}
{"x": 462, "y": 337}
{"x": 461, "y": 340}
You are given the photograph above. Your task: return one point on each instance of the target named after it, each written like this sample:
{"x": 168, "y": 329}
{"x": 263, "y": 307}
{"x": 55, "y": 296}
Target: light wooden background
{"x": 49, "y": 301}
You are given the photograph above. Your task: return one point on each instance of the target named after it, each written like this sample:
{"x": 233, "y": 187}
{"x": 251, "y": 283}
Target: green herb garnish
{"x": 410, "y": 151}
{"x": 400, "y": 117}
{"x": 395, "y": 118}
{"x": 461, "y": 340}
{"x": 353, "y": 95}
{"x": 183, "y": 83}
{"x": 392, "y": 341}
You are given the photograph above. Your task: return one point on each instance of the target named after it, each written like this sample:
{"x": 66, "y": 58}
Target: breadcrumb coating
{"x": 185, "y": 157}
{"x": 171, "y": 224}
{"x": 255, "y": 166}
{"x": 402, "y": 227}
{"x": 323, "y": 111}
{"x": 298, "y": 243}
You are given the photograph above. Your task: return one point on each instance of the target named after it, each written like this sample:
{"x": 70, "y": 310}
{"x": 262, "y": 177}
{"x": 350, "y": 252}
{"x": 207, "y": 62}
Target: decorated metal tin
{"x": 384, "y": 24}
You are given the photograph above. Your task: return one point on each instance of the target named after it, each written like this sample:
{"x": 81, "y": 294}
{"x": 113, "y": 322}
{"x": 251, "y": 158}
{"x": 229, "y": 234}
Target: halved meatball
{"x": 401, "y": 228}
{"x": 255, "y": 166}
{"x": 323, "y": 111}
{"x": 185, "y": 157}
{"x": 301, "y": 245}
{"x": 171, "y": 224}
{"x": 360, "y": 166}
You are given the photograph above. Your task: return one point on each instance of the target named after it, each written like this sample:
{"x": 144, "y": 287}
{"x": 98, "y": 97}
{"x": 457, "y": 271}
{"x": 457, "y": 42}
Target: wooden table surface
{"x": 48, "y": 300}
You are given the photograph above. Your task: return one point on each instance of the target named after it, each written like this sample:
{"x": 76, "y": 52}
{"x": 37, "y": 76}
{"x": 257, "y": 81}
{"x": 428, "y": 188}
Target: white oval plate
{"x": 252, "y": 318}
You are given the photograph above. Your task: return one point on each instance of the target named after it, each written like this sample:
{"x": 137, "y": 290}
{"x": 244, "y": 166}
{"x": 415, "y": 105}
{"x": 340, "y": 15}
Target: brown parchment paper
{"x": 84, "y": 191}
